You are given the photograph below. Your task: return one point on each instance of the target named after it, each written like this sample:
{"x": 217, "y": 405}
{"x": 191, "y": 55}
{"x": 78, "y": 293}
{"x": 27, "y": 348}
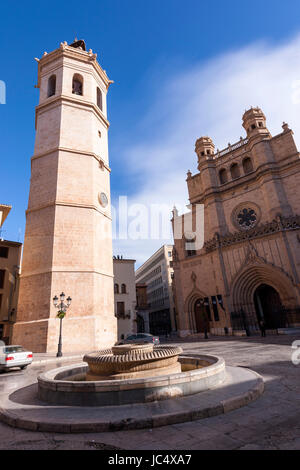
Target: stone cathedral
{"x": 68, "y": 240}
{"x": 248, "y": 270}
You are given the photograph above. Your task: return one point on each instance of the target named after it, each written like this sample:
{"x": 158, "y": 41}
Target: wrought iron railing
{"x": 231, "y": 147}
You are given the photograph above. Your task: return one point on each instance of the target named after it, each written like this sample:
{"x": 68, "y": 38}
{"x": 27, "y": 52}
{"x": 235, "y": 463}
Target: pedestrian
{"x": 262, "y": 328}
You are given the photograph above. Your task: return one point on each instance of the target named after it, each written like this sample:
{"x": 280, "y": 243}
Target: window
{"x": 99, "y": 99}
{"x": 131, "y": 337}
{"x": 169, "y": 254}
{"x": 220, "y": 302}
{"x": 253, "y": 126}
{"x": 120, "y": 308}
{"x": 3, "y": 252}
{"x": 14, "y": 349}
{"x": 223, "y": 176}
{"x": 190, "y": 245}
{"x": 235, "y": 171}
{"x": 215, "y": 308}
{"x": 116, "y": 288}
{"x": 77, "y": 85}
{"x": 123, "y": 288}
{"x": 2, "y": 276}
{"x": 51, "y": 85}
{"x": 247, "y": 165}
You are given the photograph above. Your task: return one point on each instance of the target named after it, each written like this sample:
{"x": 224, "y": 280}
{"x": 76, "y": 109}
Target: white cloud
{"x": 206, "y": 99}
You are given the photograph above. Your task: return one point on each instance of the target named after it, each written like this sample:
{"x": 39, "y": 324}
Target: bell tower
{"x": 68, "y": 240}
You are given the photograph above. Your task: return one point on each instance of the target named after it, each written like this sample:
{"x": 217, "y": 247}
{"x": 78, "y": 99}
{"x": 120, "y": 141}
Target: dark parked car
{"x": 140, "y": 338}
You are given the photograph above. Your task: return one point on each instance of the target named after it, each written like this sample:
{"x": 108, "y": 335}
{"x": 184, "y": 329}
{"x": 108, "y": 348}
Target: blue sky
{"x": 181, "y": 70}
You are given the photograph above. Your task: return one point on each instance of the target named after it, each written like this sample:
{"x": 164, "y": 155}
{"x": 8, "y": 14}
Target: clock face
{"x": 246, "y": 218}
{"x": 103, "y": 199}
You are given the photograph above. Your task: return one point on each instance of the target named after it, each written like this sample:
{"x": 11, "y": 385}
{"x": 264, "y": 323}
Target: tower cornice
{"x": 77, "y": 54}
{"x": 70, "y": 150}
{"x": 66, "y": 98}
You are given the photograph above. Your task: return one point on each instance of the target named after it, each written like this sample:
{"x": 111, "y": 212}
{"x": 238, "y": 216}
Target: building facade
{"x": 248, "y": 270}
{"x": 125, "y": 296}
{"x": 68, "y": 240}
{"x": 10, "y": 259}
{"x": 157, "y": 273}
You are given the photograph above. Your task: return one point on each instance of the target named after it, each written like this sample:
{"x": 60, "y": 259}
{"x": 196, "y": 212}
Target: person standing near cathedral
{"x": 262, "y": 328}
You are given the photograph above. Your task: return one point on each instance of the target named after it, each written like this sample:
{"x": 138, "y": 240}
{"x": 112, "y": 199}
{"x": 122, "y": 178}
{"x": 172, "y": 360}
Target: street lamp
{"x": 62, "y": 310}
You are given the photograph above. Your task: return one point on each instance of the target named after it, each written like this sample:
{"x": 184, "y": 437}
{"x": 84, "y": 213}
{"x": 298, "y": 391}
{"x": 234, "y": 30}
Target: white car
{"x": 14, "y": 356}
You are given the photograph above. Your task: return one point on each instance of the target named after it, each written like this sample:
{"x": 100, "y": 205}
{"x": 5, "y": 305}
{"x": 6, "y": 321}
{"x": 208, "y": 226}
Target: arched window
{"x": 116, "y": 288}
{"x": 51, "y": 85}
{"x": 247, "y": 165}
{"x": 99, "y": 99}
{"x": 77, "y": 85}
{"x": 123, "y": 288}
{"x": 235, "y": 171}
{"x": 223, "y": 176}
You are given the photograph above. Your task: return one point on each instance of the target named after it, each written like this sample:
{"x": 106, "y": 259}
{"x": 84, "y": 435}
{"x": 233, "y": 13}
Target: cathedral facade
{"x": 247, "y": 273}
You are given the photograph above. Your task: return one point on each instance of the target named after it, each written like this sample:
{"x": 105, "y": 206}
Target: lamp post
{"x": 62, "y": 310}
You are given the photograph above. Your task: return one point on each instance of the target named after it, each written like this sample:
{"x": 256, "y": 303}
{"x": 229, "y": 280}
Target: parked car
{"x": 140, "y": 338}
{"x": 14, "y": 356}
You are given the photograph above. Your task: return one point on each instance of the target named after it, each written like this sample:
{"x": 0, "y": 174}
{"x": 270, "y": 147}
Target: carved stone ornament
{"x": 278, "y": 225}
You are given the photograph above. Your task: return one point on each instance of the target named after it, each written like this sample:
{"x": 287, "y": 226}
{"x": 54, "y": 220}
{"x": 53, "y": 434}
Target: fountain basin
{"x": 67, "y": 385}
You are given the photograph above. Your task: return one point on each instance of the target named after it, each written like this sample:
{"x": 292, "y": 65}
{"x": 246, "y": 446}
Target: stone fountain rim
{"x": 48, "y": 378}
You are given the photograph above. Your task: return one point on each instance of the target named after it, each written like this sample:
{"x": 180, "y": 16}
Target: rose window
{"x": 246, "y": 218}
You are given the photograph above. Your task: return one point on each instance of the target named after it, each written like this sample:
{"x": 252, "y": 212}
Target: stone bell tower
{"x": 68, "y": 241}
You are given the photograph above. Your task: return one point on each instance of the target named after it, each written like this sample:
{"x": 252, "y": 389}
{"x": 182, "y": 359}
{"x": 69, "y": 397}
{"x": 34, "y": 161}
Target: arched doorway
{"x": 268, "y": 306}
{"x": 201, "y": 318}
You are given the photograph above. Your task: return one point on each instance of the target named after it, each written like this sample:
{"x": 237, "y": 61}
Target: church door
{"x": 202, "y": 322}
{"x": 268, "y": 306}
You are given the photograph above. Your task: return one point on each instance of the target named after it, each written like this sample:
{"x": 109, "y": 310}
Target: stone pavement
{"x": 271, "y": 422}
